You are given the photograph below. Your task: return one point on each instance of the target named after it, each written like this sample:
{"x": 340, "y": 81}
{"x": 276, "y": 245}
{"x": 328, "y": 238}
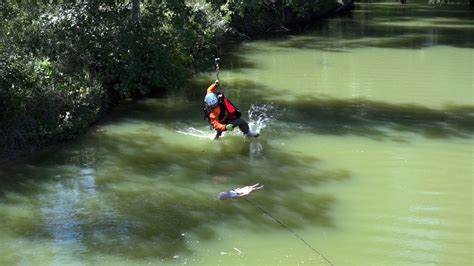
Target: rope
{"x": 216, "y": 59}
{"x": 289, "y": 229}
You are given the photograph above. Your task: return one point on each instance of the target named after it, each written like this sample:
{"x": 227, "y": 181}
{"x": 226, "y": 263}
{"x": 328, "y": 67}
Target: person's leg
{"x": 244, "y": 127}
{"x": 257, "y": 188}
{"x": 242, "y": 124}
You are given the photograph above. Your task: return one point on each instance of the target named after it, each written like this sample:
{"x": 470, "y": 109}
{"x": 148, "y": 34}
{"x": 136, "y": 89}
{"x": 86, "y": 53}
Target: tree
{"x": 136, "y": 12}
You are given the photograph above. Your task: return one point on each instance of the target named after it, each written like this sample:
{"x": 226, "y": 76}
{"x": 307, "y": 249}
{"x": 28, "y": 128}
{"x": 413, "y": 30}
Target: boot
{"x": 251, "y": 134}
{"x": 218, "y": 134}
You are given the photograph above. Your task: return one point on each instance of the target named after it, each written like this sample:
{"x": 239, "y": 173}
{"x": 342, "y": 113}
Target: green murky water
{"x": 366, "y": 153}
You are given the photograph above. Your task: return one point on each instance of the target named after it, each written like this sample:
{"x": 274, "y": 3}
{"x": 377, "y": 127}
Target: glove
{"x": 229, "y": 127}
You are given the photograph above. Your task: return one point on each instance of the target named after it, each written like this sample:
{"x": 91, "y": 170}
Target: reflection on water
{"x": 256, "y": 149}
{"x": 61, "y": 224}
{"x": 62, "y": 211}
{"x": 365, "y": 151}
{"x": 160, "y": 203}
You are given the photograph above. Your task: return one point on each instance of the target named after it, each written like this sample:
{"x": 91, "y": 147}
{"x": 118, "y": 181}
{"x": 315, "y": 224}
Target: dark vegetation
{"x": 255, "y": 16}
{"x": 63, "y": 65}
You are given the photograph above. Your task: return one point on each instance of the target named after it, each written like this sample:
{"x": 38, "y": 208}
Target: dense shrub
{"x": 258, "y": 16}
{"x": 41, "y": 105}
{"x": 61, "y": 63}
{"x": 157, "y": 54}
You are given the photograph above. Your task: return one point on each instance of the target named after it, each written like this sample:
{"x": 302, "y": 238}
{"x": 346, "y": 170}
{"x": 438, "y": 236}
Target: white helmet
{"x": 211, "y": 99}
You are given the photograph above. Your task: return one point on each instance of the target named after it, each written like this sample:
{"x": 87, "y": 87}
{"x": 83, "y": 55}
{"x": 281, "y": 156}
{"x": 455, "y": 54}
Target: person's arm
{"x": 257, "y": 186}
{"x": 214, "y": 119}
{"x": 244, "y": 191}
{"x": 212, "y": 88}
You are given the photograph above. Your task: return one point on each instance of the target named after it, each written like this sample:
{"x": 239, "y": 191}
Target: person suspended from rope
{"x": 222, "y": 114}
{"x": 239, "y": 192}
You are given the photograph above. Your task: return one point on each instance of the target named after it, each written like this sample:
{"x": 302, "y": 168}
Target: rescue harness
{"x": 228, "y": 110}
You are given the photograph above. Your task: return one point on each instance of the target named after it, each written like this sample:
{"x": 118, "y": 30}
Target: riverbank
{"x": 367, "y": 156}
{"x": 58, "y": 77}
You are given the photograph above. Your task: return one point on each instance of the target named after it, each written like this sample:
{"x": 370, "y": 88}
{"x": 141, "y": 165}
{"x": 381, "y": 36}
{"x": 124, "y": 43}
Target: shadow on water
{"x": 389, "y": 26}
{"x": 367, "y": 118}
{"x": 165, "y": 215}
{"x": 234, "y": 60}
{"x": 319, "y": 115}
{"x": 358, "y": 116}
{"x": 149, "y": 193}
{"x": 153, "y": 193}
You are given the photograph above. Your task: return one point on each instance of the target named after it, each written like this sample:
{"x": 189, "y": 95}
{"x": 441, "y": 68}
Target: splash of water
{"x": 190, "y": 131}
{"x": 260, "y": 116}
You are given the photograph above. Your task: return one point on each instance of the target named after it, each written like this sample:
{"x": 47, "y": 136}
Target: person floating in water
{"x": 222, "y": 114}
{"x": 239, "y": 192}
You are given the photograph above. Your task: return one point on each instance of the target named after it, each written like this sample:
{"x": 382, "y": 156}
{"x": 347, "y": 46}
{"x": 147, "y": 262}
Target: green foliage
{"x": 257, "y": 16}
{"x": 59, "y": 61}
{"x": 41, "y": 105}
{"x": 99, "y": 38}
